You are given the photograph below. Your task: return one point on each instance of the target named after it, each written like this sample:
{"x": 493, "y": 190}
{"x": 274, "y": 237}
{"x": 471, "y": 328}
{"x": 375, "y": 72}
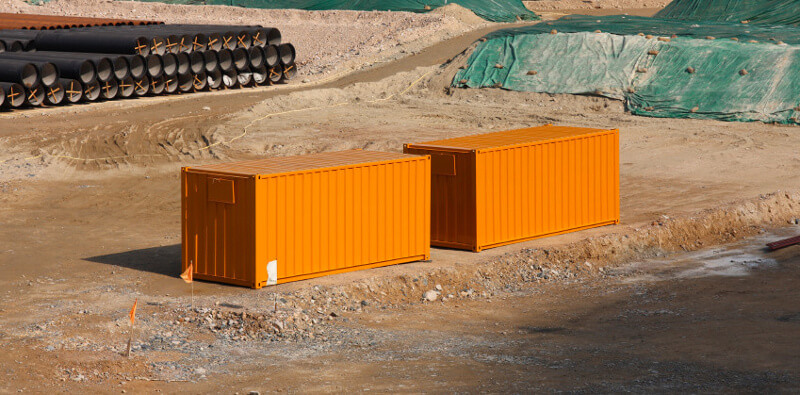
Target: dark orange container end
{"x": 494, "y": 189}
{"x": 315, "y": 215}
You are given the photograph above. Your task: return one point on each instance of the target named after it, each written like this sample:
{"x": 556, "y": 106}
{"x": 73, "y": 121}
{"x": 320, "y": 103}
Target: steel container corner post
{"x": 494, "y": 189}
{"x": 315, "y": 215}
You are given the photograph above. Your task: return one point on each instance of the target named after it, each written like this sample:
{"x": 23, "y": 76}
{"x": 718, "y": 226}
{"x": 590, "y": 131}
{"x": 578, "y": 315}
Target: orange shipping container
{"x": 315, "y": 215}
{"x": 494, "y": 189}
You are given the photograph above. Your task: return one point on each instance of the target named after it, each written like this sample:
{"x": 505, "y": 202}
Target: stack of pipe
{"x": 116, "y": 62}
{"x": 50, "y": 22}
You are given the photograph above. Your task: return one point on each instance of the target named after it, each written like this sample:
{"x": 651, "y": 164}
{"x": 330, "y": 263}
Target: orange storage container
{"x": 499, "y": 188}
{"x": 315, "y": 215}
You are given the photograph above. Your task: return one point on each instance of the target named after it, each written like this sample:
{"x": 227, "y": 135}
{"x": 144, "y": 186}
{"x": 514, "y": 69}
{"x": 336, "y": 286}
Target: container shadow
{"x": 160, "y": 260}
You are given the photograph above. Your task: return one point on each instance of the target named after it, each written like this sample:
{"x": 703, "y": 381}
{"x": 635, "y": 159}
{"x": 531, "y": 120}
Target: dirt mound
{"x": 554, "y": 5}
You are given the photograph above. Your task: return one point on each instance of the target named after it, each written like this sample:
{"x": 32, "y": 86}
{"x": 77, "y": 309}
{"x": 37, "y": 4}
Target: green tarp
{"x": 785, "y": 12}
{"x": 492, "y": 10}
{"x": 687, "y": 76}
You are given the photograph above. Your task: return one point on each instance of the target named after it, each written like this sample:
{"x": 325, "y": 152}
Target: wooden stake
{"x": 130, "y": 340}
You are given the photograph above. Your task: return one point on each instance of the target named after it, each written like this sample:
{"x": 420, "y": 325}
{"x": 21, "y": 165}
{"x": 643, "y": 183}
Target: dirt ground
{"x": 680, "y": 297}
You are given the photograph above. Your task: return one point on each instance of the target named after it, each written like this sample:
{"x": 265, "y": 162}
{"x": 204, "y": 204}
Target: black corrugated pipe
{"x": 126, "y": 87}
{"x": 240, "y": 59}
{"x": 129, "y": 44}
{"x": 288, "y": 72}
{"x": 54, "y": 94}
{"x": 3, "y": 98}
{"x": 155, "y": 68}
{"x": 244, "y": 39}
{"x": 271, "y": 57}
{"x": 261, "y": 75}
{"x": 197, "y": 62}
{"x": 184, "y": 62}
{"x": 185, "y": 82}
{"x": 19, "y": 71}
{"x": 214, "y": 79}
{"x": 141, "y": 86}
{"x": 200, "y": 81}
{"x": 287, "y": 53}
{"x": 34, "y": 95}
{"x": 255, "y": 57}
{"x": 225, "y": 58}
{"x": 169, "y": 62}
{"x": 109, "y": 89}
{"x": 210, "y": 60}
{"x": 91, "y": 91}
{"x": 73, "y": 90}
{"x": 2, "y": 45}
{"x": 170, "y": 84}
{"x": 157, "y": 86}
{"x": 69, "y": 67}
{"x": 199, "y": 42}
{"x": 230, "y": 78}
{"x": 14, "y": 94}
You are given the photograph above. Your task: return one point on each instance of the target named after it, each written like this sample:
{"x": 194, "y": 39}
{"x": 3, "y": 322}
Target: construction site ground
{"x": 680, "y": 297}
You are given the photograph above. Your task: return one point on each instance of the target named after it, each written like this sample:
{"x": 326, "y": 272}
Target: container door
{"x": 219, "y": 227}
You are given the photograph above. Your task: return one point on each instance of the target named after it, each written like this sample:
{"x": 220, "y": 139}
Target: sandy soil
{"x": 89, "y": 221}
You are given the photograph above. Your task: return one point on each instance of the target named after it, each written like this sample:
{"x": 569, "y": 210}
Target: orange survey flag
{"x": 187, "y": 275}
{"x": 133, "y": 310}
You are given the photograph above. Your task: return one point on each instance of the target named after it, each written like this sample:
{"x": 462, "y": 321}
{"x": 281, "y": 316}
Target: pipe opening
{"x": 261, "y": 75}
{"x": 214, "y": 41}
{"x": 271, "y": 57}
{"x": 244, "y": 40}
{"x": 109, "y": 89}
{"x": 73, "y": 90}
{"x": 184, "y": 62}
{"x": 185, "y": 82}
{"x": 48, "y": 74}
{"x": 214, "y": 79}
{"x": 121, "y": 68}
{"x": 15, "y": 95}
{"x": 287, "y": 53}
{"x": 126, "y": 87}
{"x": 54, "y": 94}
{"x": 35, "y": 95}
{"x": 289, "y": 72}
{"x": 157, "y": 86}
{"x": 141, "y": 86}
{"x": 229, "y": 78}
{"x": 211, "y": 61}
{"x": 154, "y": 67}
{"x": 240, "y": 59}
{"x": 275, "y": 74}
{"x": 256, "y": 57}
{"x": 169, "y": 63}
{"x": 105, "y": 69}
{"x": 91, "y": 91}
{"x": 200, "y": 81}
{"x": 87, "y": 71}
{"x": 136, "y": 66}
{"x": 198, "y": 63}
{"x": 158, "y": 46}
{"x": 225, "y": 59}
{"x": 171, "y": 84}
{"x": 29, "y": 75}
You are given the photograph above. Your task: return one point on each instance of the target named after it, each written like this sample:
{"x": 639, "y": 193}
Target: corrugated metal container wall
{"x": 499, "y": 188}
{"x": 316, "y": 214}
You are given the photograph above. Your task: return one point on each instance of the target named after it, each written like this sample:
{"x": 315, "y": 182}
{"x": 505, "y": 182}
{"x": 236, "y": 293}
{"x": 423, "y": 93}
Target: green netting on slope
{"x": 492, "y": 10}
{"x": 786, "y": 12}
{"x": 652, "y": 76}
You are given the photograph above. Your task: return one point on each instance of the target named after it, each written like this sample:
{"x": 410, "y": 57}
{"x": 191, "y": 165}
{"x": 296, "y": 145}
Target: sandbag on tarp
{"x": 660, "y": 75}
{"x": 491, "y": 10}
{"x": 785, "y": 12}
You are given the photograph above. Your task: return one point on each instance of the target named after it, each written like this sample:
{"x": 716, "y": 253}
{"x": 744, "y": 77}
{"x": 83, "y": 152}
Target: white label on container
{"x": 272, "y": 273}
